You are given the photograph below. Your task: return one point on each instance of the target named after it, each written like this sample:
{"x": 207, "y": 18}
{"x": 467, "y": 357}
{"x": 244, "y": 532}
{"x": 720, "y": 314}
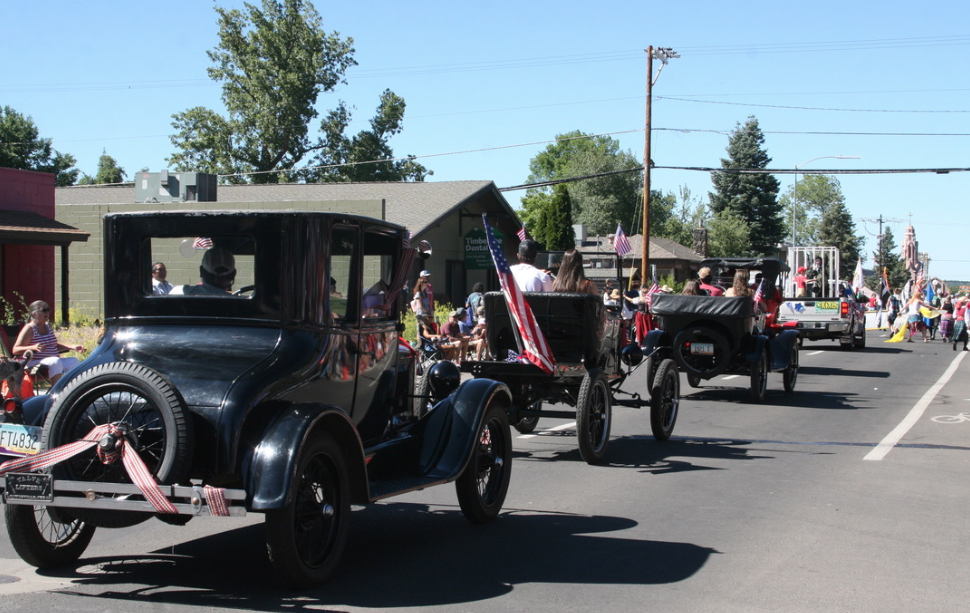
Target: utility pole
{"x": 663, "y": 54}
{"x": 879, "y": 237}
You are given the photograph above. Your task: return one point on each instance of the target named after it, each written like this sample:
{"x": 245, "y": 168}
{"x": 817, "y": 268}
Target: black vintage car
{"x": 287, "y": 395}
{"x": 593, "y": 360}
{"x": 713, "y": 335}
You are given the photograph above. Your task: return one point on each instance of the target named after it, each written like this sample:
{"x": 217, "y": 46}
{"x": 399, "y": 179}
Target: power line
{"x": 808, "y": 108}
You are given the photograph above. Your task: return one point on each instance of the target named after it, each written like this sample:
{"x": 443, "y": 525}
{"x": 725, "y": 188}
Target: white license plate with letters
{"x": 702, "y": 349}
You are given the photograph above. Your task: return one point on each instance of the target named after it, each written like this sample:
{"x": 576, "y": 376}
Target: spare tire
{"x": 146, "y": 403}
{"x": 708, "y": 362}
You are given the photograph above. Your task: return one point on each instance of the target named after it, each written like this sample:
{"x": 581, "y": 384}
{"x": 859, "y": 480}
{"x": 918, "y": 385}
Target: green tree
{"x": 837, "y": 229}
{"x": 273, "y": 63}
{"x": 753, "y": 197}
{"x": 600, "y": 202}
{"x": 554, "y": 228}
{"x": 815, "y": 195}
{"x": 727, "y": 235}
{"x": 108, "y": 172}
{"x": 346, "y": 159}
{"x": 22, "y": 148}
{"x": 888, "y": 257}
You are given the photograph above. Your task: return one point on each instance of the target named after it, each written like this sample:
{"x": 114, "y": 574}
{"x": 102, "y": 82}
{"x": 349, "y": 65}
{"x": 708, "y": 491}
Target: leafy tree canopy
{"x": 599, "y": 202}
{"x": 21, "y": 147}
{"x": 752, "y": 197}
{"x": 554, "y": 228}
{"x": 108, "y": 172}
{"x": 273, "y": 63}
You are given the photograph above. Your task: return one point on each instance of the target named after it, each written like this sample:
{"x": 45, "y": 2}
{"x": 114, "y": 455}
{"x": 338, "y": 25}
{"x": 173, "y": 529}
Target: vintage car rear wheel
{"x": 693, "y": 380}
{"x": 306, "y": 538}
{"x": 527, "y": 425}
{"x": 42, "y": 541}
{"x": 593, "y": 416}
{"x": 704, "y": 367}
{"x": 791, "y": 371}
{"x": 759, "y": 377}
{"x": 483, "y": 484}
{"x": 664, "y": 400}
{"x": 142, "y": 400}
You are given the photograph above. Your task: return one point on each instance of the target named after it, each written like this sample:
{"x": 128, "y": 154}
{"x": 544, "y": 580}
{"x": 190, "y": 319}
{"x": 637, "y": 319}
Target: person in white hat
{"x": 423, "y": 297}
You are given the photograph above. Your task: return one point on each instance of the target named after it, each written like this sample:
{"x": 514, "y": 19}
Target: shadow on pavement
{"x": 398, "y": 555}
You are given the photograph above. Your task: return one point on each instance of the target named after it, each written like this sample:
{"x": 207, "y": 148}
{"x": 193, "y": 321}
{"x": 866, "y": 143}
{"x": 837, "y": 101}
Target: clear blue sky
{"x": 489, "y": 84}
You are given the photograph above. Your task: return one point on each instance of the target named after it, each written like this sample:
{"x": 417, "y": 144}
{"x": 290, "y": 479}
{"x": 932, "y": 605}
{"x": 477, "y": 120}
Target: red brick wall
{"x": 27, "y": 269}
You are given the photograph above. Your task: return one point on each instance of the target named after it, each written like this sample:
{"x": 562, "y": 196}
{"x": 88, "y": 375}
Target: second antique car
{"x": 270, "y": 380}
{"x": 713, "y": 335}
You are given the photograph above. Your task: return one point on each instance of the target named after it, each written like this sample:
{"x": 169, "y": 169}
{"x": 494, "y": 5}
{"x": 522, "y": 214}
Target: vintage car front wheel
{"x": 306, "y": 538}
{"x": 664, "y": 400}
{"x": 483, "y": 484}
{"x": 759, "y": 377}
{"x": 155, "y": 424}
{"x": 593, "y": 417}
{"x": 527, "y": 425}
{"x": 44, "y": 541}
{"x": 790, "y": 375}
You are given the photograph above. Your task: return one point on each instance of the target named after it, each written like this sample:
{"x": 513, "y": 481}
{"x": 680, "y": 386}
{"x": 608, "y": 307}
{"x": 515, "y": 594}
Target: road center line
{"x": 816, "y": 352}
{"x": 886, "y": 444}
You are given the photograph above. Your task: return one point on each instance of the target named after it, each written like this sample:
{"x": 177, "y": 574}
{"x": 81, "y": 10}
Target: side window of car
{"x": 380, "y": 251}
{"x": 343, "y": 240}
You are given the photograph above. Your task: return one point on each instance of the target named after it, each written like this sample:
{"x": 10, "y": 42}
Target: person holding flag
{"x": 529, "y": 338}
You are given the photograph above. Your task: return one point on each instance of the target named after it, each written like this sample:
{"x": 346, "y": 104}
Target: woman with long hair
{"x": 740, "y": 286}
{"x": 572, "y": 277}
{"x": 693, "y": 288}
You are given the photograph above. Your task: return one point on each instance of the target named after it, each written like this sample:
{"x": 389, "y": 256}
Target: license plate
{"x": 19, "y": 440}
{"x": 702, "y": 349}
{"x": 29, "y": 486}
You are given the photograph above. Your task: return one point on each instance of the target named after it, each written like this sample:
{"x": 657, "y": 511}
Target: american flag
{"x": 533, "y": 342}
{"x": 650, "y": 292}
{"x": 407, "y": 239}
{"x": 521, "y": 234}
{"x": 202, "y": 243}
{"x": 621, "y": 243}
{"x": 760, "y": 292}
{"x": 919, "y": 276}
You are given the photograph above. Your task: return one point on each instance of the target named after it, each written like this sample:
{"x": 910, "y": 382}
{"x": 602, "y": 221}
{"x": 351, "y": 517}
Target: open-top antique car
{"x": 713, "y": 335}
{"x": 592, "y": 361}
{"x": 276, "y": 385}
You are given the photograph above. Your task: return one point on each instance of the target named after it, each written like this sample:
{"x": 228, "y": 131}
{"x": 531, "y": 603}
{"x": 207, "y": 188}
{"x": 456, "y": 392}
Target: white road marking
{"x": 886, "y": 444}
{"x": 815, "y": 352}
{"x": 729, "y": 377}
{"x": 564, "y": 426}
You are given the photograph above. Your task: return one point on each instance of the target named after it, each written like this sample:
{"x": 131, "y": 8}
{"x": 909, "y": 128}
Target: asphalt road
{"x": 790, "y": 506}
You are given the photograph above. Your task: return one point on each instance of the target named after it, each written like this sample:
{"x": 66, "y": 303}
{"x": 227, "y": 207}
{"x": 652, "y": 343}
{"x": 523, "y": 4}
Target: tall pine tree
{"x": 554, "y": 227}
{"x": 837, "y": 229}
{"x": 752, "y": 197}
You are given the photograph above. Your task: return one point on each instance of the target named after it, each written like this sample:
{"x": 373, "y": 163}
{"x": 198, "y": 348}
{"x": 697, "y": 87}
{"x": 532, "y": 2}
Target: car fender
{"x": 269, "y": 470}
{"x": 780, "y": 347}
{"x": 759, "y": 343}
{"x": 451, "y": 427}
{"x": 656, "y": 339}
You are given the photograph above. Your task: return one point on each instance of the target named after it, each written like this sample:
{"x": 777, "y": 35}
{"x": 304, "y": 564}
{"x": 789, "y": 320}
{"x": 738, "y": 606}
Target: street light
{"x": 794, "y": 193}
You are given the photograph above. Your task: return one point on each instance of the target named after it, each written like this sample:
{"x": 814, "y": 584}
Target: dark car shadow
{"x": 398, "y": 555}
{"x": 776, "y": 397}
{"x": 843, "y": 372}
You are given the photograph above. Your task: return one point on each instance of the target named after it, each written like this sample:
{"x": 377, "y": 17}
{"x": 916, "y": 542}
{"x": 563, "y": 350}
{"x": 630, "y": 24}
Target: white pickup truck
{"x": 841, "y": 318}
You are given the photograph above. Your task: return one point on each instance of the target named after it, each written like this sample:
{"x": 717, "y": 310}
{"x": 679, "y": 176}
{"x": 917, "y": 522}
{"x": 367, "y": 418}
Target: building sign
{"x": 477, "y": 256}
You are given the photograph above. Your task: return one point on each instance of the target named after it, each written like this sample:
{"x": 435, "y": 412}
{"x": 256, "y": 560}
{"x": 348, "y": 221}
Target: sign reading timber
{"x": 477, "y": 256}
